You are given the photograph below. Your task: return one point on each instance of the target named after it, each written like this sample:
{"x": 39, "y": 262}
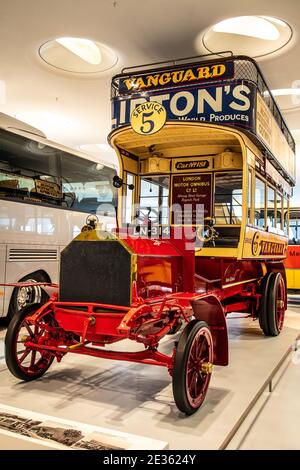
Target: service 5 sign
{"x": 148, "y": 118}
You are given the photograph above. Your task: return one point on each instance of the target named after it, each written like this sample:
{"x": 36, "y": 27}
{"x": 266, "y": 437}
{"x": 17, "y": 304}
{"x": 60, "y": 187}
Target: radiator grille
{"x": 32, "y": 254}
{"x": 104, "y": 270}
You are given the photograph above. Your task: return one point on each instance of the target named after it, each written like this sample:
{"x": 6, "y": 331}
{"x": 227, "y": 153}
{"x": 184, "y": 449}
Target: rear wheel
{"x": 263, "y": 311}
{"x": 272, "y": 310}
{"x": 276, "y": 304}
{"x": 192, "y": 366}
{"x": 24, "y": 362}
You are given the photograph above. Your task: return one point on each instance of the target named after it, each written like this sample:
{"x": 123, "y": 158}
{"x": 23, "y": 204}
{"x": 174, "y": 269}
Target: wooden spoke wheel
{"x": 273, "y": 304}
{"x": 192, "y": 366}
{"x": 24, "y": 362}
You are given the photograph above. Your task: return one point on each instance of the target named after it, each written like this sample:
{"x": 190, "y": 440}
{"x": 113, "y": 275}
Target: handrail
{"x": 173, "y": 61}
{"x": 209, "y": 281}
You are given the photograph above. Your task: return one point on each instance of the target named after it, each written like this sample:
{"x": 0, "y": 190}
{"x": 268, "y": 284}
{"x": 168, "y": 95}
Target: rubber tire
{"x": 272, "y": 323}
{"x": 13, "y": 305}
{"x": 10, "y": 344}
{"x": 178, "y": 378}
{"x": 263, "y": 311}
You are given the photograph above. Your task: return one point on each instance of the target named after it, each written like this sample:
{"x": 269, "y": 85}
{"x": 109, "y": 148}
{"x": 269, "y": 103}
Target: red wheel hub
{"x": 199, "y": 367}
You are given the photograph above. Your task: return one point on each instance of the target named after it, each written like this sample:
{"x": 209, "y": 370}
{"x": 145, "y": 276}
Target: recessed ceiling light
{"x": 84, "y": 48}
{"x": 78, "y": 55}
{"x": 286, "y": 92}
{"x": 252, "y": 26}
{"x": 288, "y": 98}
{"x": 255, "y": 36}
{"x": 95, "y": 148}
{"x": 275, "y": 20}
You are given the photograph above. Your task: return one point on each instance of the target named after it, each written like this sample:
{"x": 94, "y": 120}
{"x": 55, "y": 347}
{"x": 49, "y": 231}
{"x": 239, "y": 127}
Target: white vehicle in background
{"x": 46, "y": 193}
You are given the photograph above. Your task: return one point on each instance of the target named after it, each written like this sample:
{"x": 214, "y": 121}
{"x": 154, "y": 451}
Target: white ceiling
{"x": 139, "y": 31}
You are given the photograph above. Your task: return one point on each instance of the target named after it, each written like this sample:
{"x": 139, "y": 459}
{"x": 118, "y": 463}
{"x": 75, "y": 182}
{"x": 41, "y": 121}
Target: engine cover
{"x": 100, "y": 267}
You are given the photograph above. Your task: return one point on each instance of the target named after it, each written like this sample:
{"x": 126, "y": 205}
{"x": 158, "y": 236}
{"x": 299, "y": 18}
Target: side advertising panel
{"x": 229, "y": 103}
{"x": 269, "y": 132}
{"x": 264, "y": 245}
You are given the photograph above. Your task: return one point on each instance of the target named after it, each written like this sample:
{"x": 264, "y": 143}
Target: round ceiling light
{"x": 287, "y": 98}
{"x": 78, "y": 55}
{"x": 254, "y": 36}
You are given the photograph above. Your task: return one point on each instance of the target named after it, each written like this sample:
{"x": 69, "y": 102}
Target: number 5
{"x": 147, "y": 121}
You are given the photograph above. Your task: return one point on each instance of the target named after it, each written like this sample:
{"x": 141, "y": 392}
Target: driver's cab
{"x": 184, "y": 176}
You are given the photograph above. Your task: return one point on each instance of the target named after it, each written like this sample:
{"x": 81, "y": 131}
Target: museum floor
{"x": 137, "y": 399}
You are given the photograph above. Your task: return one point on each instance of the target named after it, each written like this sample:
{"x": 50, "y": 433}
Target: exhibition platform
{"x": 137, "y": 400}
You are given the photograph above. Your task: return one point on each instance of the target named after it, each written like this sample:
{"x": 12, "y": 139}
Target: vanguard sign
{"x": 175, "y": 78}
{"x": 224, "y": 104}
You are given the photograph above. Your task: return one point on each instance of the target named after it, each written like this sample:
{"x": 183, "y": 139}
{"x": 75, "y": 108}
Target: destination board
{"x": 191, "y": 198}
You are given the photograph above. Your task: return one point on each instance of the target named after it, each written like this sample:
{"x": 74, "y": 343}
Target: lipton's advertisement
{"x": 225, "y": 104}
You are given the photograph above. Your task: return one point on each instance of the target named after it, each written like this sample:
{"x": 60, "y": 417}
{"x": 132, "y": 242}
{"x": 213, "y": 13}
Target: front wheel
{"x": 24, "y": 362}
{"x": 192, "y": 366}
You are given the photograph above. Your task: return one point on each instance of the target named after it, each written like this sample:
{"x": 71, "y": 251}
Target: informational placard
{"x": 191, "y": 198}
{"x": 47, "y": 188}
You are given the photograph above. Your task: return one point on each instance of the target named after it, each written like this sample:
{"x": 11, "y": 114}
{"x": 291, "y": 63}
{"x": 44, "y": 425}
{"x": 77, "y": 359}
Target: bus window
{"x": 250, "y": 179}
{"x": 28, "y": 171}
{"x": 294, "y": 230}
{"x": 154, "y": 195}
{"x": 259, "y": 217}
{"x": 279, "y": 202}
{"x": 270, "y": 207}
{"x": 228, "y": 198}
{"x": 89, "y": 184}
{"x": 128, "y": 198}
{"x": 27, "y": 158}
{"x": 286, "y": 215}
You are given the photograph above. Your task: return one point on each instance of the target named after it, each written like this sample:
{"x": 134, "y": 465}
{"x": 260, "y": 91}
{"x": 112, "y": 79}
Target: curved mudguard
{"x": 210, "y": 310}
{"x": 49, "y": 287}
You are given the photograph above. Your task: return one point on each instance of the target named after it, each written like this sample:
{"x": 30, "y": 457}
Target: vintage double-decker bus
{"x": 207, "y": 165}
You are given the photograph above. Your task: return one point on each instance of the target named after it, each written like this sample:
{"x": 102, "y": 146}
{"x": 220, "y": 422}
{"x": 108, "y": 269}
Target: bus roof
{"x": 12, "y": 124}
{"x": 41, "y": 138}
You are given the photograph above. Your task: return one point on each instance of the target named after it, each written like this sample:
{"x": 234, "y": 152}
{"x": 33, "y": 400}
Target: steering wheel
{"x": 208, "y": 232}
{"x": 145, "y": 218}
